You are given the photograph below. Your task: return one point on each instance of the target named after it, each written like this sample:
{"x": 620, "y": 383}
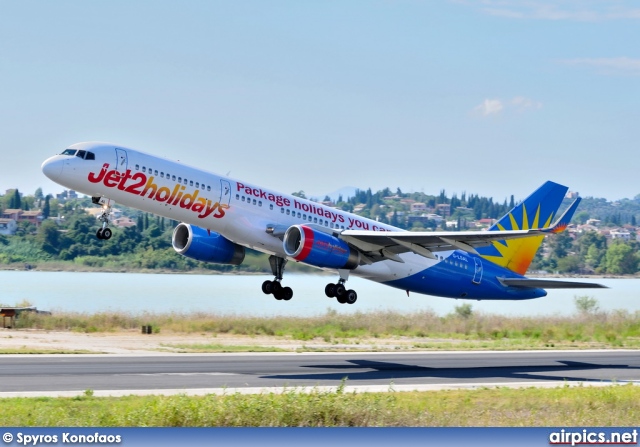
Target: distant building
{"x": 12, "y": 213}
{"x": 484, "y": 223}
{"x": 418, "y": 207}
{"x": 34, "y": 216}
{"x": 572, "y": 195}
{"x": 8, "y": 227}
{"x": 123, "y": 222}
{"x": 444, "y": 209}
{"x": 620, "y": 234}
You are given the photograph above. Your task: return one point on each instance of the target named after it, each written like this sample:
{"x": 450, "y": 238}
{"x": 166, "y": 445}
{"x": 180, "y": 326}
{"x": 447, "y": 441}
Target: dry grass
{"x": 483, "y": 331}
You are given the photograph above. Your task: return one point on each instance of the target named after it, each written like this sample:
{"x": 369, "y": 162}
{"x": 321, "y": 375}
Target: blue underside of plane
{"x": 478, "y": 281}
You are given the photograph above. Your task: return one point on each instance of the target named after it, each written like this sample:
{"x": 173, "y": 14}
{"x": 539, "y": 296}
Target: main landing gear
{"x": 274, "y": 287}
{"x": 104, "y": 217}
{"x": 339, "y": 291}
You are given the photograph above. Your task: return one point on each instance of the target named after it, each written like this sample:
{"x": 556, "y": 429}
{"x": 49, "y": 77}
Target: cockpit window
{"x": 81, "y": 154}
{"x": 69, "y": 152}
{"x": 90, "y": 156}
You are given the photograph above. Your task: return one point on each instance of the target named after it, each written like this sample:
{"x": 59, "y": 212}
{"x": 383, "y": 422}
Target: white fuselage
{"x": 240, "y": 211}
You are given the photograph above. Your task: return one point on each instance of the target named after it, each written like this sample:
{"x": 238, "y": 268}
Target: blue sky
{"x": 491, "y": 97}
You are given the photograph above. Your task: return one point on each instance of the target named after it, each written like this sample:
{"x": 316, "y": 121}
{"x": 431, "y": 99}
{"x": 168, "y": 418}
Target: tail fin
{"x": 536, "y": 211}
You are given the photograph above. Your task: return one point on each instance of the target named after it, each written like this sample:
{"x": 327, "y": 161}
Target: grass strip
{"x": 563, "y": 406}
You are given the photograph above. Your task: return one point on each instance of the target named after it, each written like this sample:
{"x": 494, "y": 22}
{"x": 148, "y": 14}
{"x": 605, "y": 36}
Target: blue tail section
{"x": 536, "y": 211}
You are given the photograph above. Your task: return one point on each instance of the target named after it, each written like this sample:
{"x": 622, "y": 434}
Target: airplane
{"x": 221, "y": 216}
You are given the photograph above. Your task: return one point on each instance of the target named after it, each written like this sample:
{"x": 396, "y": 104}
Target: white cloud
{"x": 612, "y": 65}
{"x": 573, "y": 10}
{"x": 497, "y": 106}
{"x": 490, "y": 107}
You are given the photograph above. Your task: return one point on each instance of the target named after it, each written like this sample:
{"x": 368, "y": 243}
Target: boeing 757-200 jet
{"x": 221, "y": 216}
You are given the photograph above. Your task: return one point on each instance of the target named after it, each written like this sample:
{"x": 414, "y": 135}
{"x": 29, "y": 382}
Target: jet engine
{"x": 203, "y": 245}
{"x": 320, "y": 249}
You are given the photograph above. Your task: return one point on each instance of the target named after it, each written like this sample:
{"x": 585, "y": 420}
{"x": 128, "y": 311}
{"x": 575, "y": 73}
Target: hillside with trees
{"x": 60, "y": 233}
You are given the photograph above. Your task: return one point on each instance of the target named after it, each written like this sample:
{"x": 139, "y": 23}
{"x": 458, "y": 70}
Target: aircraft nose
{"x": 52, "y": 168}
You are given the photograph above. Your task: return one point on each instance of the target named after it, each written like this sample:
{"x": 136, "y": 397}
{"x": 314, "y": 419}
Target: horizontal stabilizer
{"x": 528, "y": 283}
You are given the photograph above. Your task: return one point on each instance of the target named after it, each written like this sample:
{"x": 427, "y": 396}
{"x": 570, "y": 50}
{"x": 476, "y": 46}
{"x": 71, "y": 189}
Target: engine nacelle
{"x": 305, "y": 244}
{"x": 202, "y": 245}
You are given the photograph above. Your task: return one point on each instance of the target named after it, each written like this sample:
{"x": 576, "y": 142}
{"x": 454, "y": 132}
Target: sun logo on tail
{"x": 517, "y": 254}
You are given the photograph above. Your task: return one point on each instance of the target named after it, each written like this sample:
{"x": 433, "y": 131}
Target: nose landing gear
{"x": 104, "y": 217}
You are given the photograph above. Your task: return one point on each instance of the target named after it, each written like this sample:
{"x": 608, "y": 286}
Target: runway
{"x": 31, "y": 375}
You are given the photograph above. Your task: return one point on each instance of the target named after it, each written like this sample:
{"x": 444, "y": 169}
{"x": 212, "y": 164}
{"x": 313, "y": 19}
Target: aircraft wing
{"x": 380, "y": 245}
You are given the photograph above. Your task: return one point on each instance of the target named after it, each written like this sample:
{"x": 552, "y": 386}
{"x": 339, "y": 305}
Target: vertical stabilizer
{"x": 536, "y": 211}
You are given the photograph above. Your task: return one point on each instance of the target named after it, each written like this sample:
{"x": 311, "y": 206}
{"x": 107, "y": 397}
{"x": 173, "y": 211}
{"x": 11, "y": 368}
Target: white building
{"x": 8, "y": 227}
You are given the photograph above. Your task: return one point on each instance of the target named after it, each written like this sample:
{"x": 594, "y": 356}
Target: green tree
{"x": 300, "y": 194}
{"x": 49, "y": 237}
{"x": 594, "y": 256}
{"x": 16, "y": 201}
{"x": 621, "y": 259}
{"x": 560, "y": 245}
{"x": 568, "y": 264}
{"x": 586, "y": 304}
{"x": 46, "y": 208}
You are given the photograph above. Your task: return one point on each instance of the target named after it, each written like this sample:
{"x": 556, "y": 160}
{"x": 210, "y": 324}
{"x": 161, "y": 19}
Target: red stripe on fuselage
{"x": 308, "y": 243}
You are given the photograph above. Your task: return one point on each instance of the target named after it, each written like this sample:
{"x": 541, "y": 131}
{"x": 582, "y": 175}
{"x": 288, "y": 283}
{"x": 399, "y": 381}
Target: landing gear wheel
{"x": 267, "y": 287}
{"x": 277, "y": 290}
{"x": 99, "y": 234}
{"x": 330, "y": 290}
{"x": 340, "y": 289}
{"x": 351, "y": 296}
{"x": 287, "y": 293}
{"x": 342, "y": 299}
{"x": 106, "y": 234}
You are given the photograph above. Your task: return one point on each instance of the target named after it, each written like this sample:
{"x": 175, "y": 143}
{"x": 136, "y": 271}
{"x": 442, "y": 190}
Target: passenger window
{"x": 179, "y": 179}
{"x": 288, "y": 212}
{"x": 260, "y": 203}
{"x": 191, "y": 183}
{"x": 282, "y": 210}
{"x": 237, "y": 196}
{"x": 315, "y": 220}
{"x": 156, "y": 172}
{"x": 197, "y": 185}
{"x": 173, "y": 177}
{"x": 243, "y": 198}
{"x": 299, "y": 215}
{"x": 185, "y": 181}
{"x": 137, "y": 167}
{"x": 254, "y": 201}
{"x": 271, "y": 206}
{"x": 162, "y": 175}
{"x": 144, "y": 169}
{"x": 208, "y": 188}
